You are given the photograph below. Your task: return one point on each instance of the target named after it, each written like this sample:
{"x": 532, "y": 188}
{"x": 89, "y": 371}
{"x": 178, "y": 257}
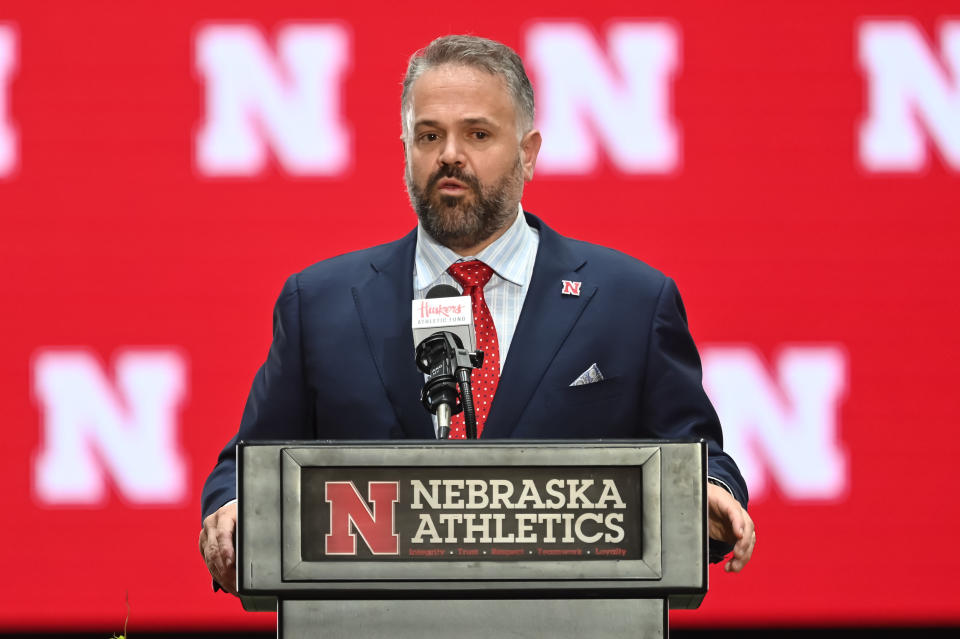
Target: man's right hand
{"x": 216, "y": 546}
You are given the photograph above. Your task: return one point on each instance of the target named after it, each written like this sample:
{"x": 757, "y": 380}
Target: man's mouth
{"x": 451, "y": 186}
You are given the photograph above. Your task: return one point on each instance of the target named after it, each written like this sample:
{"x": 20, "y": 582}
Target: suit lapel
{"x": 383, "y": 303}
{"x": 545, "y": 321}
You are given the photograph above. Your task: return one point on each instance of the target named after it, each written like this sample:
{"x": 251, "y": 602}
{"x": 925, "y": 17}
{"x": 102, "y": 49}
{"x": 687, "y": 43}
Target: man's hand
{"x": 216, "y": 546}
{"x": 730, "y": 523}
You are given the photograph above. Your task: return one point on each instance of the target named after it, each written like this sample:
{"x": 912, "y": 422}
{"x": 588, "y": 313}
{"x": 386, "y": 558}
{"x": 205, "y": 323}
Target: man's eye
{"x": 481, "y": 135}
{"x": 429, "y": 137}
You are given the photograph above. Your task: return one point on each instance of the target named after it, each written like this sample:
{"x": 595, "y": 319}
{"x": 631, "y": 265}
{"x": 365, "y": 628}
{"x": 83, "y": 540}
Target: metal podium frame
{"x": 471, "y": 598}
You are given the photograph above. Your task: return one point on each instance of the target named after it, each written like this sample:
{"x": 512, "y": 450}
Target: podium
{"x": 472, "y": 538}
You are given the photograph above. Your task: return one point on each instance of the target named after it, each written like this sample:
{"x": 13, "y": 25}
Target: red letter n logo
{"x": 570, "y": 288}
{"x": 349, "y": 510}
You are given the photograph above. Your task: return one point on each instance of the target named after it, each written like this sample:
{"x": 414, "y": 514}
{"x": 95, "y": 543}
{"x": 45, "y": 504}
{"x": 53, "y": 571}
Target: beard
{"x": 462, "y": 222}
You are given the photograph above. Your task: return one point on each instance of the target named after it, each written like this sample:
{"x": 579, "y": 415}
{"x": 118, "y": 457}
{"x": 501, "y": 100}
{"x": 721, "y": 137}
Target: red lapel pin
{"x": 570, "y": 288}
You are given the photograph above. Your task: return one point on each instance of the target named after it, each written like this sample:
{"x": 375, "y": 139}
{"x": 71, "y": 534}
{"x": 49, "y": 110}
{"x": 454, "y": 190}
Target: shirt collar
{"x": 432, "y": 258}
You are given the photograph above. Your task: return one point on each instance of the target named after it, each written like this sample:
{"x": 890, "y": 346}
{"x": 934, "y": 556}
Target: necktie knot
{"x": 472, "y": 273}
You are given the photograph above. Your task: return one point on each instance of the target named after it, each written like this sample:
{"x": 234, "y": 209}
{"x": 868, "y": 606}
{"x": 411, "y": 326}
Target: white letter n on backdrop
{"x": 910, "y": 92}
{"x": 783, "y": 426}
{"x": 92, "y": 428}
{"x": 618, "y": 100}
{"x": 8, "y": 135}
{"x": 289, "y": 101}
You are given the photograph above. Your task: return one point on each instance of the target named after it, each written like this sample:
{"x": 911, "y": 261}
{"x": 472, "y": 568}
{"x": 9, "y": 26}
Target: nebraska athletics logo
{"x": 349, "y": 511}
{"x": 570, "y": 288}
{"x": 488, "y": 513}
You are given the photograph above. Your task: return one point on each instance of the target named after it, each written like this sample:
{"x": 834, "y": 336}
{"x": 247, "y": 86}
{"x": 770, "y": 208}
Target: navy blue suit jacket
{"x": 341, "y": 365}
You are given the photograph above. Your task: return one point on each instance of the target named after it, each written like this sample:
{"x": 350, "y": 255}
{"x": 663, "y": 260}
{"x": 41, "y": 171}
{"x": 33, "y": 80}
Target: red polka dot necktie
{"x": 473, "y": 276}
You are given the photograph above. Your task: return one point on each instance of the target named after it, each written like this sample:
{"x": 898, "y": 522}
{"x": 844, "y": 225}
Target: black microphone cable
{"x": 466, "y": 400}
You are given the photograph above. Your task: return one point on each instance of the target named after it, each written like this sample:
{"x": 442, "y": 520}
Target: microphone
{"x": 443, "y": 290}
{"x": 444, "y": 337}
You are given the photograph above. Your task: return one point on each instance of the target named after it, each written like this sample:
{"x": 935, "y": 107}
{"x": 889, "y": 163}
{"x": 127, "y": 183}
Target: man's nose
{"x": 452, "y": 152}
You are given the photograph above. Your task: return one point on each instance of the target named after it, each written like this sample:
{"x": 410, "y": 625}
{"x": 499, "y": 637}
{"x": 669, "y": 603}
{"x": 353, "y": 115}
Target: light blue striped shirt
{"x": 511, "y": 257}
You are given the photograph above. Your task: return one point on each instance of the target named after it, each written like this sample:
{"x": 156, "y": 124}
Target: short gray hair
{"x": 472, "y": 51}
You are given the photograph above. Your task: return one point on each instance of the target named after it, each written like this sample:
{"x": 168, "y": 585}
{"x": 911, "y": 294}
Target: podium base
{"x": 472, "y": 619}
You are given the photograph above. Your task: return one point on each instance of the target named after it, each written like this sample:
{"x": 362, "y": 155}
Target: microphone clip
{"x": 447, "y": 364}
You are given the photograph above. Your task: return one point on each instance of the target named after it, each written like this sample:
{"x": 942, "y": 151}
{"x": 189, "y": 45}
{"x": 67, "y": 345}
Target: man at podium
{"x": 581, "y": 342}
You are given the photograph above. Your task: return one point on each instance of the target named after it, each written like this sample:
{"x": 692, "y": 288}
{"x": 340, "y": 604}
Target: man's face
{"x": 465, "y": 162}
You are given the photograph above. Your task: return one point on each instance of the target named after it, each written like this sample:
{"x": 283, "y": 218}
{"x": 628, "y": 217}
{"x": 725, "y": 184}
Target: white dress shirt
{"x": 511, "y": 257}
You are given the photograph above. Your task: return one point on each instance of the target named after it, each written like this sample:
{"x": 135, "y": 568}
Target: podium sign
{"x": 502, "y": 521}
{"x": 476, "y": 513}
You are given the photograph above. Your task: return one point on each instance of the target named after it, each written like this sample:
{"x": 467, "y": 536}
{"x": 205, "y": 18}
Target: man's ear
{"x": 529, "y": 149}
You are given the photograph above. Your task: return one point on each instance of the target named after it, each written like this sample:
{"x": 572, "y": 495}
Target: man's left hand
{"x": 730, "y": 523}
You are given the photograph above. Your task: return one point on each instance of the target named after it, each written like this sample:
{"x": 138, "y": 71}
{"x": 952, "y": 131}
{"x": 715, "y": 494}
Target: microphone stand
{"x": 443, "y": 358}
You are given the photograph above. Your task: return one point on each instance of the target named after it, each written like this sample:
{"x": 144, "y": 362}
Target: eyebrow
{"x": 466, "y": 121}
{"x": 481, "y": 120}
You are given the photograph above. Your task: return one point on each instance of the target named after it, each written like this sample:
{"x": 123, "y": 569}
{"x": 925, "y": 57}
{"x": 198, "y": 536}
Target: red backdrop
{"x": 780, "y": 225}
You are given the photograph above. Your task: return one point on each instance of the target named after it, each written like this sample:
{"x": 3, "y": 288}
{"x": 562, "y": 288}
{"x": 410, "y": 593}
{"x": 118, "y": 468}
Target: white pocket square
{"x": 590, "y": 376}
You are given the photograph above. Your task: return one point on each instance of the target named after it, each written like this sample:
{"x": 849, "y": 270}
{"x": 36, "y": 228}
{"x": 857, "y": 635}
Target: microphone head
{"x": 442, "y": 290}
